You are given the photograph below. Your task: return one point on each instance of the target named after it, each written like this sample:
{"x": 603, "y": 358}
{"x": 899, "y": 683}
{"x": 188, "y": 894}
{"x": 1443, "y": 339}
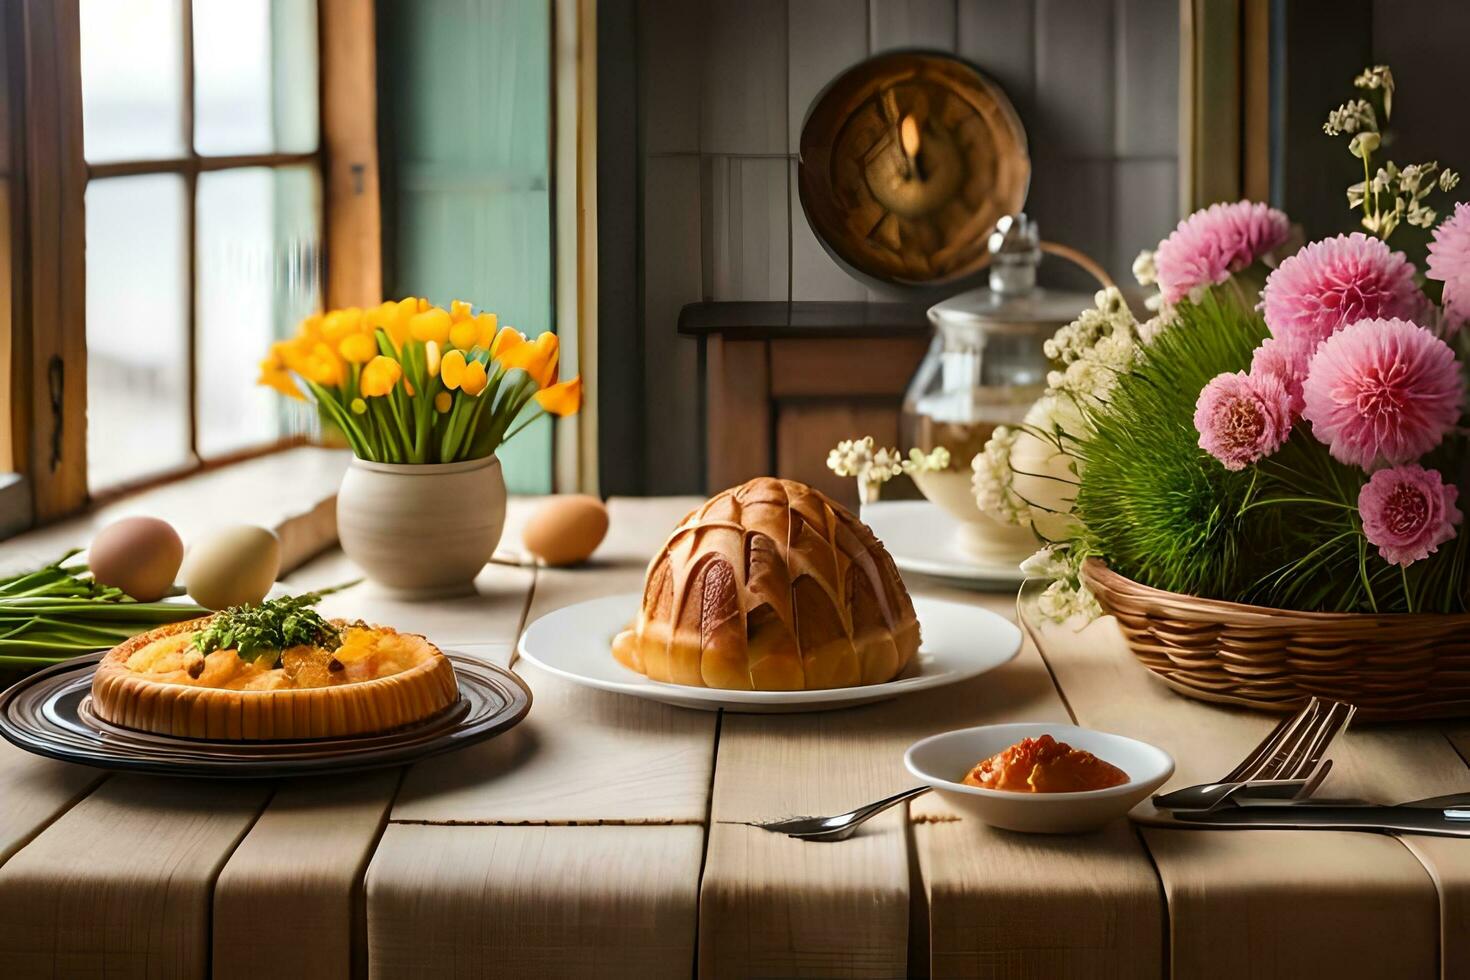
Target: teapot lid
{"x": 1013, "y": 296}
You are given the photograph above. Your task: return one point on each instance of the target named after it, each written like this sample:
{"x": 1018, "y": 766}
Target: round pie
{"x": 371, "y": 680}
{"x": 772, "y": 586}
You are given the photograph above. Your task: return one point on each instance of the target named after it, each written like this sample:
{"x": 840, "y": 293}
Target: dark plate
{"x": 50, "y": 714}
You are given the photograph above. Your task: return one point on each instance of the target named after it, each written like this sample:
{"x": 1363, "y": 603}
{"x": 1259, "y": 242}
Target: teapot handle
{"x": 1080, "y": 259}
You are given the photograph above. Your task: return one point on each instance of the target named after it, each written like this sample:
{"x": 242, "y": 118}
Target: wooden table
{"x": 604, "y": 837}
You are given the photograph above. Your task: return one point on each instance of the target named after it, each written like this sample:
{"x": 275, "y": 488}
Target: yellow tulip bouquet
{"x": 410, "y": 382}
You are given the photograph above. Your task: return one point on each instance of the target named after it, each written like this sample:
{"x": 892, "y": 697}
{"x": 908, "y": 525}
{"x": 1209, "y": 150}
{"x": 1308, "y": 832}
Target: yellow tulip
{"x": 507, "y": 339}
{"x": 311, "y": 327}
{"x": 537, "y": 358}
{"x": 474, "y": 378}
{"x": 486, "y": 322}
{"x": 392, "y": 319}
{"x": 562, "y": 399}
{"x": 443, "y": 401}
{"x": 459, "y": 310}
{"x": 429, "y": 325}
{"x": 358, "y": 348}
{"x": 380, "y": 375}
{"x": 324, "y": 366}
{"x": 274, "y": 375}
{"x": 464, "y": 334}
{"x": 431, "y": 358}
{"x": 451, "y": 369}
{"x": 339, "y": 324}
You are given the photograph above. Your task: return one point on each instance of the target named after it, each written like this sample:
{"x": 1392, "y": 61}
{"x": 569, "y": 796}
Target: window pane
{"x": 255, "y": 76}
{"x": 132, "y": 79}
{"x": 137, "y": 382}
{"x": 258, "y": 274}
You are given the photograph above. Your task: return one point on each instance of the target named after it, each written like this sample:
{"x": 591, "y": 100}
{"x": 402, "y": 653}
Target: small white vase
{"x": 421, "y": 530}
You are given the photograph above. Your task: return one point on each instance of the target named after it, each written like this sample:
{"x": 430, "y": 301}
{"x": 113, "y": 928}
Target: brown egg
{"x": 566, "y": 530}
{"x": 140, "y": 555}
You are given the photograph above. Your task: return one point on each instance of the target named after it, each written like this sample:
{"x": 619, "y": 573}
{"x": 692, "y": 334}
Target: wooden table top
{"x": 604, "y": 837}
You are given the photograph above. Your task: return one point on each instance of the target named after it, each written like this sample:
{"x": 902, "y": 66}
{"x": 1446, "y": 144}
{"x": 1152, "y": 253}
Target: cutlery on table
{"x": 1287, "y": 766}
{"x": 1404, "y": 818}
{"x": 839, "y": 827}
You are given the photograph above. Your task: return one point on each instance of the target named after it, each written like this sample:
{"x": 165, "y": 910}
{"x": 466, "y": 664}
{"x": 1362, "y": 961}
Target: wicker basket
{"x": 1393, "y": 667}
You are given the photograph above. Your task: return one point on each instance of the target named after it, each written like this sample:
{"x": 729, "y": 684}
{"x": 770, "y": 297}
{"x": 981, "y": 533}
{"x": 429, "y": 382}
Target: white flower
{"x": 1144, "y": 269}
{"x": 1064, "y": 599}
{"x": 1066, "y": 596}
{"x": 851, "y": 457}
{"x": 994, "y": 479}
{"x": 918, "y": 462}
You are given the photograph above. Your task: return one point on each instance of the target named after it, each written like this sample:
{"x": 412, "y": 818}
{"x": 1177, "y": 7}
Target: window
{"x": 203, "y": 224}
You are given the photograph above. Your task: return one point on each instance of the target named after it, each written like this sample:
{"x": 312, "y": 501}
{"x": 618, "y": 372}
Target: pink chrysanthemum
{"x": 1273, "y": 357}
{"x": 1449, "y": 262}
{"x": 1242, "y": 418}
{"x": 1382, "y": 391}
{"x": 1212, "y": 243}
{"x": 1408, "y": 512}
{"x": 1332, "y": 283}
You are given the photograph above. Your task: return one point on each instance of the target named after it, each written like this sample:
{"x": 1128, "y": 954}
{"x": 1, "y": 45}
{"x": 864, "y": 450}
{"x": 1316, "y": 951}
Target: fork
{"x": 1286, "y": 766}
{"x": 839, "y": 827}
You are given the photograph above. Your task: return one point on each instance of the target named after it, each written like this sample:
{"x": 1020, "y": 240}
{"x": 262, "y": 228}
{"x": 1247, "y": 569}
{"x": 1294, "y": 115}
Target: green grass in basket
{"x": 1156, "y": 507}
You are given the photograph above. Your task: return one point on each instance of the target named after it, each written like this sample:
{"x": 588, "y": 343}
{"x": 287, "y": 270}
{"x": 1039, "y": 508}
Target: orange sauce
{"x": 1044, "y": 765}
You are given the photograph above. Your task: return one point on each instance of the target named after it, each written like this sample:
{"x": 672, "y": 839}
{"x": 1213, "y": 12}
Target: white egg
{"x": 232, "y": 566}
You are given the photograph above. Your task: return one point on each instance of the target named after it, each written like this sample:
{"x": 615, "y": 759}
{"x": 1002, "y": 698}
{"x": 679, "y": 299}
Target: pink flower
{"x": 1408, "y": 512}
{"x": 1332, "y": 283}
{"x": 1242, "y": 418}
{"x": 1382, "y": 391}
{"x": 1275, "y": 358}
{"x": 1449, "y": 262}
{"x": 1211, "y": 244}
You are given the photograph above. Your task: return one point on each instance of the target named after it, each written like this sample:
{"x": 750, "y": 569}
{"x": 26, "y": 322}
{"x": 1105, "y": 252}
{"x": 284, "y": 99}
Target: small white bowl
{"x": 943, "y": 760}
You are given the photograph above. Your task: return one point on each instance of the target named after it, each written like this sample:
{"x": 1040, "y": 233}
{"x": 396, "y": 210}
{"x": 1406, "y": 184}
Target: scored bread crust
{"x": 125, "y": 697}
{"x": 771, "y": 586}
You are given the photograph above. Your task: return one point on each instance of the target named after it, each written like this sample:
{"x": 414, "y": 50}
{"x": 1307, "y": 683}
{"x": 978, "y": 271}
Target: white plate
{"x": 942, "y": 761}
{"x": 575, "y": 642}
{"x": 923, "y": 538}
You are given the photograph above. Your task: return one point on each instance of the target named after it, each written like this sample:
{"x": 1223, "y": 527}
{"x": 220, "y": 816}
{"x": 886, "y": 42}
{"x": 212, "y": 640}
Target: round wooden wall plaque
{"x": 907, "y": 161}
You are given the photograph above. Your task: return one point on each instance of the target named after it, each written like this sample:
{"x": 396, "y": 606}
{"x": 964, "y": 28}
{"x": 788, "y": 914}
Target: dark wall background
{"x": 700, "y": 109}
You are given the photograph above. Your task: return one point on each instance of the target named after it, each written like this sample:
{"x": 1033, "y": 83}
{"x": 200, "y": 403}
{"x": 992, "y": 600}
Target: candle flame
{"x": 908, "y": 134}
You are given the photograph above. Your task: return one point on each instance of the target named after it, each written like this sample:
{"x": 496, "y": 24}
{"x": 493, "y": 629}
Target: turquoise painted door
{"x": 467, "y": 105}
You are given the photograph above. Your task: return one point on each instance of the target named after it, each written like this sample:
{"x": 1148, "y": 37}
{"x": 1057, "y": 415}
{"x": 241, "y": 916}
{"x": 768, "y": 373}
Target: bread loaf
{"x": 771, "y": 586}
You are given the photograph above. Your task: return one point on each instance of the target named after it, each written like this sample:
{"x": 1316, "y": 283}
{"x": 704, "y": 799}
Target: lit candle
{"x": 908, "y": 138}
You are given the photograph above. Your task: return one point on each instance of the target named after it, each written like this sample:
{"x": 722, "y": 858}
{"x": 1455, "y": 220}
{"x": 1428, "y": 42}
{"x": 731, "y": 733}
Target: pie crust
{"x": 127, "y": 697}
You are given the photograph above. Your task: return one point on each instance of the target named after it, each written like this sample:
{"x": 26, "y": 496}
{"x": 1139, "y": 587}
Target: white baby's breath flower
{"x": 919, "y": 462}
{"x": 993, "y": 480}
{"x": 1063, "y": 600}
{"x": 851, "y": 457}
{"x": 1049, "y": 562}
{"x": 1144, "y": 269}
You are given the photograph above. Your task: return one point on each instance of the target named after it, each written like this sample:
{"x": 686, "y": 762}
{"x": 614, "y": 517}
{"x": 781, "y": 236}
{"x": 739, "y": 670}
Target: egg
{"x": 139, "y": 555}
{"x": 232, "y": 566}
{"x": 566, "y": 530}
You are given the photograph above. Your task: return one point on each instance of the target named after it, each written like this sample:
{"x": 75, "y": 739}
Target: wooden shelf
{"x": 767, "y": 321}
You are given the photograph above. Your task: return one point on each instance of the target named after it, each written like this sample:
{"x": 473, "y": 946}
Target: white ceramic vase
{"x": 421, "y": 530}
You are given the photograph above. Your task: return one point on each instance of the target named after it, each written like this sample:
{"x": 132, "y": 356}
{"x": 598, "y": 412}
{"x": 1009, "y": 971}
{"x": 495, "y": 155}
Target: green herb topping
{"x": 255, "y": 632}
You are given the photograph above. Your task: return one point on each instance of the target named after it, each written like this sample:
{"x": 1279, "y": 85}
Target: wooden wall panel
{"x": 354, "y": 230}
{"x": 747, "y": 234}
{"x": 743, "y": 82}
{"x": 671, "y": 230}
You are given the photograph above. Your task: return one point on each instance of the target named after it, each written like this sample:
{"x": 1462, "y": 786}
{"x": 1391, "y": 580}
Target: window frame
{"x": 46, "y": 334}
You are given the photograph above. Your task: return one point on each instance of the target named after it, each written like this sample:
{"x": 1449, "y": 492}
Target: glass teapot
{"x": 986, "y": 368}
